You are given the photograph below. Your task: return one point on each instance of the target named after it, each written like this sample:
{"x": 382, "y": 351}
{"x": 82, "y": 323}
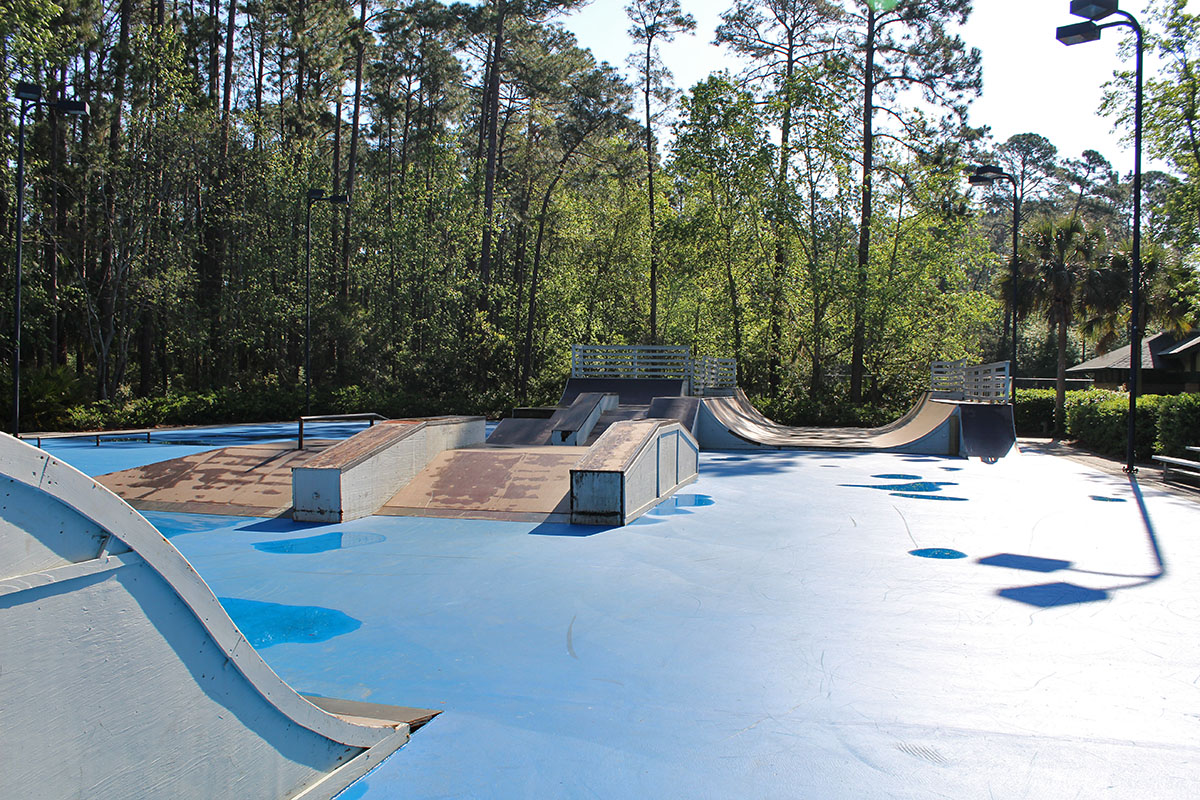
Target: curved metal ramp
{"x": 122, "y": 676}
{"x": 929, "y": 428}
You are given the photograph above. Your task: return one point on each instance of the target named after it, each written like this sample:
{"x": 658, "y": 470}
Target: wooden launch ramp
{"x": 124, "y": 677}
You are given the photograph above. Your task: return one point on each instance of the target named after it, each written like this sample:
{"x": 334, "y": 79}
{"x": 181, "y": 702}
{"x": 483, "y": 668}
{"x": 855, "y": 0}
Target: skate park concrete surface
{"x": 795, "y": 624}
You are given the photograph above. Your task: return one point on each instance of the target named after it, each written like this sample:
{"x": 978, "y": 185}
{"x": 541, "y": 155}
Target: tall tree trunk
{"x": 359, "y": 48}
{"x": 107, "y": 333}
{"x": 489, "y": 174}
{"x": 864, "y": 232}
{"x": 650, "y": 198}
{"x": 779, "y": 275}
{"x": 1060, "y": 378}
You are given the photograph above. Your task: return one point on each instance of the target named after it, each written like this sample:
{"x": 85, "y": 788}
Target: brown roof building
{"x": 1170, "y": 365}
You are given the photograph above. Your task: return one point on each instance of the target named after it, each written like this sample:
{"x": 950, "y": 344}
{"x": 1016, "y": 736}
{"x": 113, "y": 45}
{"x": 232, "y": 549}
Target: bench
{"x": 1180, "y": 465}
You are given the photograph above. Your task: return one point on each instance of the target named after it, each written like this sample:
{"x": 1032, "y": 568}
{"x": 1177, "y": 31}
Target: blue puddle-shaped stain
{"x": 937, "y": 552}
{"x": 319, "y": 544}
{"x": 915, "y": 488}
{"x": 679, "y": 504}
{"x": 266, "y": 624}
{"x": 1101, "y": 499}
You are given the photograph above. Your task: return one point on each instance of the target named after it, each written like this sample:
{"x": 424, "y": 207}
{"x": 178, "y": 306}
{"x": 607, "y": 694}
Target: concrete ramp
{"x": 123, "y": 677}
{"x": 931, "y": 427}
{"x": 253, "y": 480}
{"x": 684, "y": 410}
{"x": 633, "y": 467}
{"x": 521, "y": 484}
{"x": 355, "y": 477}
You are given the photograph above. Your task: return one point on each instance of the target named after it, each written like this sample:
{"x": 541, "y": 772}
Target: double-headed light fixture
{"x": 1093, "y": 11}
{"x": 29, "y": 95}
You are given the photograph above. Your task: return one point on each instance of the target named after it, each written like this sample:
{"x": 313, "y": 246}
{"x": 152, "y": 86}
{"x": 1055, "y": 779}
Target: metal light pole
{"x": 1093, "y": 10}
{"x": 986, "y": 175}
{"x": 313, "y": 196}
{"x": 30, "y": 96}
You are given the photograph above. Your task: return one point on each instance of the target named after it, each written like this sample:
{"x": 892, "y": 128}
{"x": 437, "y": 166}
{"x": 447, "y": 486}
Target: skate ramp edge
{"x": 931, "y": 427}
{"x": 354, "y": 478}
{"x": 988, "y": 430}
{"x": 632, "y": 467}
{"x": 125, "y": 677}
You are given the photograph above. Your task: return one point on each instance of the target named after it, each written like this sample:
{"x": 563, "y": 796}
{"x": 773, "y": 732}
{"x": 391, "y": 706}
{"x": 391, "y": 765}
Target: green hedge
{"x": 1097, "y": 419}
{"x": 1034, "y": 414}
{"x": 1178, "y": 424}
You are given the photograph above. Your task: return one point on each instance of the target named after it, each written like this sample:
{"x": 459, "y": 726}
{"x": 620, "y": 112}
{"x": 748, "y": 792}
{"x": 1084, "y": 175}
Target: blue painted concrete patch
{"x": 1102, "y": 499}
{"x": 334, "y": 540}
{"x": 268, "y": 624}
{"x": 679, "y": 503}
{"x": 937, "y": 552}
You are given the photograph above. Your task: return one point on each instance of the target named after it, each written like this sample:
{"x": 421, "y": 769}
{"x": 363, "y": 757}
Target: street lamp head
{"x": 1093, "y": 9}
{"x": 1078, "y": 33}
{"x": 316, "y": 194}
{"x": 29, "y": 92}
{"x": 980, "y": 180}
{"x": 990, "y": 171}
{"x": 74, "y": 108}
{"x": 338, "y": 199}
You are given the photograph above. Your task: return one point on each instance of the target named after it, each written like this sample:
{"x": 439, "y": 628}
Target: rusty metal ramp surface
{"x": 930, "y": 427}
{"x": 247, "y": 480}
{"x": 530, "y": 484}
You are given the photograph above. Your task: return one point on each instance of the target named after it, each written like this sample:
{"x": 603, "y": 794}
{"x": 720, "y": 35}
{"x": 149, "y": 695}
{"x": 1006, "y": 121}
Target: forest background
{"x": 510, "y": 196}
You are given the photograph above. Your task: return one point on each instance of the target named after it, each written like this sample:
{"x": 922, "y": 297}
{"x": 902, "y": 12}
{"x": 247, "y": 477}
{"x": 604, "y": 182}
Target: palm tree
{"x": 1168, "y": 294}
{"x": 1061, "y": 259}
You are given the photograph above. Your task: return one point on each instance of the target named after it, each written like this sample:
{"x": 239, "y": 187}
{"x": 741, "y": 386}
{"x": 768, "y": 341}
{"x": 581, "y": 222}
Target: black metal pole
{"x": 1135, "y": 322}
{"x": 308, "y": 307}
{"x": 16, "y": 424}
{"x": 1015, "y": 269}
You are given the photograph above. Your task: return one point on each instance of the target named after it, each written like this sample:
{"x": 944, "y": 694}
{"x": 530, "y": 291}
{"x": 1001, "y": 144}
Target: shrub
{"x": 1098, "y": 420}
{"x": 1034, "y": 413}
{"x": 1178, "y": 424}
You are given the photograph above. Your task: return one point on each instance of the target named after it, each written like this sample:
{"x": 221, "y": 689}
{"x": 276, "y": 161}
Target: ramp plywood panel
{"x": 925, "y": 428}
{"x": 491, "y": 483}
{"x": 247, "y": 480}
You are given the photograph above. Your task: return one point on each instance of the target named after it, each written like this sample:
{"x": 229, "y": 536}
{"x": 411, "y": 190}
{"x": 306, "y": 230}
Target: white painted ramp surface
{"x": 929, "y": 428}
{"x": 121, "y": 675}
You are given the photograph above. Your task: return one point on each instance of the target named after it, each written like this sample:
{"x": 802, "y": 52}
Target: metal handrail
{"x": 954, "y": 380}
{"x": 370, "y": 416}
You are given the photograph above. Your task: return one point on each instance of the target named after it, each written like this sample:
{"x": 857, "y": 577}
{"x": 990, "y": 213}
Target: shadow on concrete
{"x": 1049, "y": 595}
{"x": 567, "y": 529}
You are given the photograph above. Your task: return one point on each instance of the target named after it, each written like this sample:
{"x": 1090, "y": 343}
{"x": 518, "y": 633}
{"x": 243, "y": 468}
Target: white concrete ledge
{"x": 356, "y": 477}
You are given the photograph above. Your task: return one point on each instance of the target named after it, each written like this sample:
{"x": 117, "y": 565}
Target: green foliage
{"x": 831, "y": 408}
{"x": 1098, "y": 420}
{"x": 176, "y": 268}
{"x": 1178, "y": 425}
{"x": 1034, "y": 414}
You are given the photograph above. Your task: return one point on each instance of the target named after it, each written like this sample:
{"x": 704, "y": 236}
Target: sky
{"x": 1031, "y": 83}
